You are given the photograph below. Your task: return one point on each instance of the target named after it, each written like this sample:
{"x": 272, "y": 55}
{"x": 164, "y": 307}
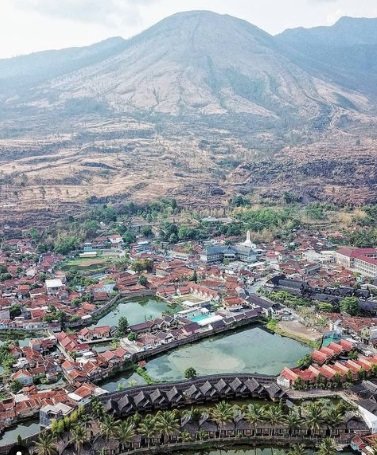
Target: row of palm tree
{"x": 163, "y": 426}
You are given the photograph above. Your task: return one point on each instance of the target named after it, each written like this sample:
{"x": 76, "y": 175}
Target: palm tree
{"x": 97, "y": 408}
{"x": 85, "y": 420}
{"x": 334, "y": 417}
{"x": 253, "y": 414}
{"x": 186, "y": 436}
{"x": 167, "y": 423}
{"x": 293, "y": 421}
{"x": 201, "y": 435}
{"x": 314, "y": 417}
{"x": 222, "y": 413}
{"x": 274, "y": 415}
{"x": 147, "y": 428}
{"x": 193, "y": 414}
{"x": 45, "y": 445}
{"x": 125, "y": 433}
{"x": 79, "y": 436}
{"x": 108, "y": 427}
{"x": 327, "y": 447}
{"x": 297, "y": 449}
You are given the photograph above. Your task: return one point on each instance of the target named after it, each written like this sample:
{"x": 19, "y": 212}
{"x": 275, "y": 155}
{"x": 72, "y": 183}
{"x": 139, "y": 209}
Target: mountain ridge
{"x": 199, "y": 104}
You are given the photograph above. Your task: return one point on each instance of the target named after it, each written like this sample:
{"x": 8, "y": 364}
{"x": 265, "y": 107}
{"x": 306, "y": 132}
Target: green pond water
{"x": 250, "y": 350}
{"x": 129, "y": 379}
{"x": 135, "y": 311}
{"x": 24, "y": 429}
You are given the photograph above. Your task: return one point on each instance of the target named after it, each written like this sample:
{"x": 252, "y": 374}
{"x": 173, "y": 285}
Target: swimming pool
{"x": 200, "y": 317}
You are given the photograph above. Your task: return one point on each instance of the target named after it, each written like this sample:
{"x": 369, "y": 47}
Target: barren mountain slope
{"x": 200, "y": 106}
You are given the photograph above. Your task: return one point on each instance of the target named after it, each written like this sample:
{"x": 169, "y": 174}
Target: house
{"x": 23, "y": 377}
{"x": 116, "y": 240}
{"x": 287, "y": 378}
{"x": 54, "y": 286}
{"x": 85, "y": 393}
{"x": 97, "y": 333}
{"x": 53, "y": 412}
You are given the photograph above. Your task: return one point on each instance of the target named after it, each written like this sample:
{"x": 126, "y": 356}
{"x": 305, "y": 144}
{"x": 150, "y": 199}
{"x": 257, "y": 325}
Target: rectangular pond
{"x": 250, "y": 350}
{"x": 136, "y": 311}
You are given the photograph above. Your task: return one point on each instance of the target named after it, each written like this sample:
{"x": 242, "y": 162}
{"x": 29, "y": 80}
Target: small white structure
{"x": 88, "y": 254}
{"x": 248, "y": 243}
{"x": 54, "y": 286}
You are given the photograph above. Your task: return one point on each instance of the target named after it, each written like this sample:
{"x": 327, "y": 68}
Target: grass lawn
{"x": 85, "y": 263}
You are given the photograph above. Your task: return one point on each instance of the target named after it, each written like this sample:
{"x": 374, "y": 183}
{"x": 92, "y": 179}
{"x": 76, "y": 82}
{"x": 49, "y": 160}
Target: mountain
{"x": 199, "y": 107}
{"x": 197, "y": 63}
{"x": 346, "y": 52}
{"x": 26, "y": 71}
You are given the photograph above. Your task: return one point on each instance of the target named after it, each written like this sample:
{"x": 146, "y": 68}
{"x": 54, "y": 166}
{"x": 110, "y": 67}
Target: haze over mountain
{"x": 345, "y": 53}
{"x": 227, "y": 93}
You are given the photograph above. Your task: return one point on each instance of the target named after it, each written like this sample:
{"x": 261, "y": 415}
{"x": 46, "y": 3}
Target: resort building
{"x": 361, "y": 260}
{"x": 244, "y": 252}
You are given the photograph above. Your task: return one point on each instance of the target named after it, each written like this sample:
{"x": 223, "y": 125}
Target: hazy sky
{"x": 31, "y": 25}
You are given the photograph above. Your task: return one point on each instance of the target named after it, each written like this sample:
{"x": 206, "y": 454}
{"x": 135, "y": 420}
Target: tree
{"x": 222, "y": 413}
{"x": 45, "y": 444}
{"x": 122, "y": 326}
{"x": 129, "y": 238}
{"x": 274, "y": 415}
{"x": 97, "y": 409}
{"x": 186, "y": 436}
{"x": 147, "y": 231}
{"x": 305, "y": 361}
{"x": 353, "y": 355}
{"x": 143, "y": 280}
{"x": 293, "y": 421}
{"x": 79, "y": 437}
{"x": 15, "y": 386}
{"x": 314, "y": 416}
{"x": 64, "y": 245}
{"x": 190, "y": 373}
{"x": 327, "y": 447}
{"x": 140, "y": 265}
{"x": 126, "y": 433}
{"x": 333, "y": 417}
{"x": 349, "y": 305}
{"x": 167, "y": 423}
{"x": 132, "y": 336}
{"x": 194, "y": 277}
{"x": 192, "y": 414}
{"x": 147, "y": 427}
{"x": 108, "y": 427}
{"x": 254, "y": 414}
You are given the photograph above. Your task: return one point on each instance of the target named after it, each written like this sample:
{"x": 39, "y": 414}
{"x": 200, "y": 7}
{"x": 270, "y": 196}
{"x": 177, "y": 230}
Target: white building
{"x": 54, "y": 286}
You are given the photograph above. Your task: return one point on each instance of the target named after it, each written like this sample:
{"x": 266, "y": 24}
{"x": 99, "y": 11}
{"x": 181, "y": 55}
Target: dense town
{"x": 56, "y": 354}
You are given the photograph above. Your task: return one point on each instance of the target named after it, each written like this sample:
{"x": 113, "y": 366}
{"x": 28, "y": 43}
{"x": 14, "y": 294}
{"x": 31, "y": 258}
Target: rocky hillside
{"x": 199, "y": 102}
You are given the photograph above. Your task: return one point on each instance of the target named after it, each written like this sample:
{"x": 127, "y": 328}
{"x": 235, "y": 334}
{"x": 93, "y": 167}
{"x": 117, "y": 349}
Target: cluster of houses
{"x": 330, "y": 365}
{"x": 36, "y": 361}
{"x": 213, "y": 284}
{"x": 48, "y": 404}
